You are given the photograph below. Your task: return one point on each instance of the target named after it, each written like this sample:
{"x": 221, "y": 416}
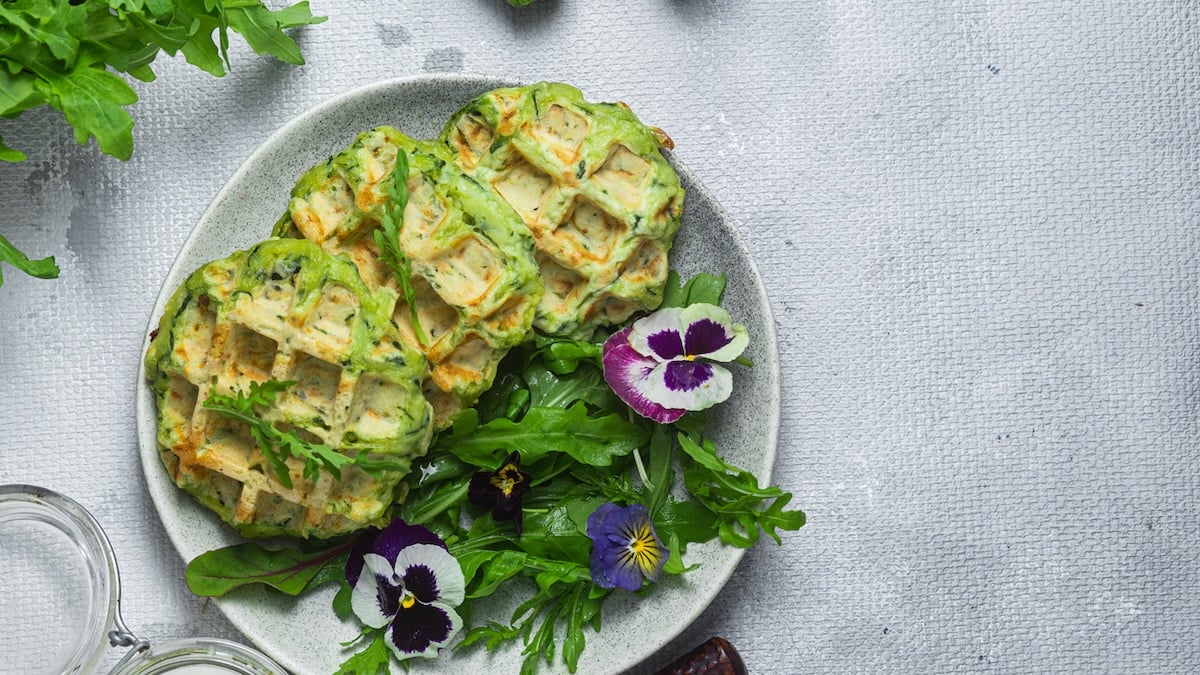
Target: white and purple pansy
{"x": 662, "y": 365}
{"x": 407, "y": 582}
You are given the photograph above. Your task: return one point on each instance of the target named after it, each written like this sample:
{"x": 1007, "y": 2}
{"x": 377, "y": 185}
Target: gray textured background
{"x": 976, "y": 222}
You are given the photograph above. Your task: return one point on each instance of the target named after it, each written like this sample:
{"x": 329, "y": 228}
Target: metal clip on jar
{"x": 69, "y": 609}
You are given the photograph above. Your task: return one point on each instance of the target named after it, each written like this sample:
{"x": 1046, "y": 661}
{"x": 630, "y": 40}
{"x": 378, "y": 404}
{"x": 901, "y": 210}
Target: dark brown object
{"x": 715, "y": 657}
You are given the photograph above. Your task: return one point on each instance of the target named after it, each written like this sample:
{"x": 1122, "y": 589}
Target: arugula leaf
{"x": 702, "y": 288}
{"x": 734, "y": 496}
{"x": 215, "y": 573}
{"x": 374, "y": 659}
{"x": 64, "y": 54}
{"x": 296, "y": 15}
{"x": 547, "y": 390}
{"x": 279, "y": 446}
{"x": 388, "y": 240}
{"x": 660, "y": 476}
{"x": 496, "y": 569}
{"x": 542, "y": 431}
{"x": 564, "y": 356}
{"x": 555, "y": 535}
{"x": 261, "y": 30}
{"x": 44, "y": 268}
{"x": 343, "y": 603}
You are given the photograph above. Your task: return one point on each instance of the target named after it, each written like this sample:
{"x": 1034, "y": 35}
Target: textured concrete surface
{"x": 977, "y": 225}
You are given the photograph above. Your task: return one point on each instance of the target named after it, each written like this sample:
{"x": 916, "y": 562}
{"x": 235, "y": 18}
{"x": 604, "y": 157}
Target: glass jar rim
{"x": 221, "y": 655}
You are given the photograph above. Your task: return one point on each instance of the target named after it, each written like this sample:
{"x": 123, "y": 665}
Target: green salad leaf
{"x": 702, "y": 288}
{"x": 374, "y": 659}
{"x": 289, "y": 571}
{"x": 44, "y": 268}
{"x": 69, "y": 55}
{"x": 589, "y": 440}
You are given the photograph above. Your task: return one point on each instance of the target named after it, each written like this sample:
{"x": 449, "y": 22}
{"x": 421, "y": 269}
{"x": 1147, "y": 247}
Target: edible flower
{"x": 662, "y": 364}
{"x": 625, "y": 547}
{"x": 501, "y": 490}
{"x": 406, "y": 581}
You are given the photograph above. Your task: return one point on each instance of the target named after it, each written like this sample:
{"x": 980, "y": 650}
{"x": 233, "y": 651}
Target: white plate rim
{"x": 164, "y": 493}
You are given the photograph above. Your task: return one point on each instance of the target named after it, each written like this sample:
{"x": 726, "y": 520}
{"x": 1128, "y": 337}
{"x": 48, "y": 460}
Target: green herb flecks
{"x": 279, "y": 446}
{"x": 388, "y": 240}
{"x": 68, "y": 54}
{"x": 44, "y": 268}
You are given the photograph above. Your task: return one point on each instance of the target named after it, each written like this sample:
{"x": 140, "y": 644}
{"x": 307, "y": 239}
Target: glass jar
{"x": 67, "y": 592}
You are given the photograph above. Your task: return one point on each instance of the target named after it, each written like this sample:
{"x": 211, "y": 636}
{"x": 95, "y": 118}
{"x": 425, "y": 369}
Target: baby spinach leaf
{"x": 688, "y": 520}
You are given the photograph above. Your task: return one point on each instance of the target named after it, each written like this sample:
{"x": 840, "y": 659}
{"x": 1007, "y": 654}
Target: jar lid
{"x": 67, "y": 596}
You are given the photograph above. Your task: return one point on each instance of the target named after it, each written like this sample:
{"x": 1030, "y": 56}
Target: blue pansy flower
{"x": 406, "y": 581}
{"x": 662, "y": 365}
{"x": 625, "y": 547}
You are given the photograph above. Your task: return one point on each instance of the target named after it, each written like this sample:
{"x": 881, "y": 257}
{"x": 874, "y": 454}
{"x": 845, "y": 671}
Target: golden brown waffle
{"x": 286, "y": 311}
{"x": 472, "y": 259}
{"x": 592, "y": 185}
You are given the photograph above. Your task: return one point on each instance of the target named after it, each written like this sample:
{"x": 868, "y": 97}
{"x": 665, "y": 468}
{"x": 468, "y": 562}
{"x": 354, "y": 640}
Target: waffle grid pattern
{"x": 473, "y": 269}
{"x": 286, "y": 328}
{"x": 590, "y": 182}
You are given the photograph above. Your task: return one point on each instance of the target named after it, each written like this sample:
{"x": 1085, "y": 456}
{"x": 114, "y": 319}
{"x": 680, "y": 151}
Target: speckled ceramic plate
{"x": 303, "y": 633}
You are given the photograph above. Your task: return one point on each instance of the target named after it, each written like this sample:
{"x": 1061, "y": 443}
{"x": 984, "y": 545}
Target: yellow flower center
{"x": 645, "y": 551}
{"x": 506, "y": 479}
{"x": 408, "y": 600}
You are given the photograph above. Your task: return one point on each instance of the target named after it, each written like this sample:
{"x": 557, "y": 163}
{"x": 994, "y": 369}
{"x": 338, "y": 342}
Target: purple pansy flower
{"x": 501, "y": 490}
{"x": 406, "y": 580}
{"x": 625, "y": 547}
{"x": 662, "y": 364}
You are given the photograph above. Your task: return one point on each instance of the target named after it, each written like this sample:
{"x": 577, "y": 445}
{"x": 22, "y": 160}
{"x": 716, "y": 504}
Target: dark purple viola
{"x": 501, "y": 490}
{"x": 625, "y": 547}
{"x": 662, "y": 365}
{"x": 405, "y": 580}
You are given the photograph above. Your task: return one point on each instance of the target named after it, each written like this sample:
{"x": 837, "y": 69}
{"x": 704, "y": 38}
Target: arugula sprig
{"x": 388, "y": 240}
{"x": 44, "y": 268}
{"x": 68, "y": 54}
{"x": 278, "y": 446}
